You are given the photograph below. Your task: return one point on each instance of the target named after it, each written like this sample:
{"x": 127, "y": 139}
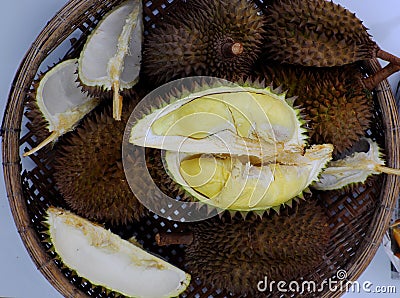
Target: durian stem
{"x": 54, "y": 135}
{"x": 117, "y": 102}
{"x": 164, "y": 239}
{"x": 387, "y": 170}
{"x": 231, "y": 49}
{"x": 395, "y": 224}
{"x": 373, "y": 81}
{"x": 388, "y": 57}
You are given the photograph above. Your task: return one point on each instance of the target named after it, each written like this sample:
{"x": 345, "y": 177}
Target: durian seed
{"x": 61, "y": 101}
{"x": 106, "y": 260}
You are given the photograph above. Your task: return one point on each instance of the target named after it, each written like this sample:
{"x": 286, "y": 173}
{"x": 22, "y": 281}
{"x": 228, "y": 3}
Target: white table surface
{"x": 20, "y": 23}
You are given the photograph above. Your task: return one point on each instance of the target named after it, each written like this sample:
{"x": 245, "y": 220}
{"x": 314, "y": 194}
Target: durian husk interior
{"x": 358, "y": 216}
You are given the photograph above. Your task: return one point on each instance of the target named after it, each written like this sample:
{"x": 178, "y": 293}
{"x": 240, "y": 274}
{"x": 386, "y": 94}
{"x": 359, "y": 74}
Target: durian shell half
{"x": 61, "y": 101}
{"x": 111, "y": 57}
{"x": 354, "y": 169}
{"x": 106, "y": 260}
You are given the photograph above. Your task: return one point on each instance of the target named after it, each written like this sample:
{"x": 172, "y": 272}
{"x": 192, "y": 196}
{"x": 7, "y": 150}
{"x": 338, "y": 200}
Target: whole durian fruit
{"x": 204, "y": 38}
{"x": 336, "y": 105}
{"x": 88, "y": 168}
{"x": 235, "y": 254}
{"x": 317, "y": 33}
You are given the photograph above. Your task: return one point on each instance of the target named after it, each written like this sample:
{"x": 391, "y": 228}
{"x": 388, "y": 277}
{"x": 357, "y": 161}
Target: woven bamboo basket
{"x": 358, "y": 219}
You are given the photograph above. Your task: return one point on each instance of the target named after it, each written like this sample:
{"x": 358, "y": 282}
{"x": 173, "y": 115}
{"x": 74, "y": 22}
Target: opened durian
{"x": 204, "y": 38}
{"x": 60, "y": 102}
{"x": 318, "y": 33}
{"x": 106, "y": 260}
{"x": 236, "y": 254}
{"x": 354, "y": 169}
{"x": 88, "y": 168}
{"x": 231, "y": 147}
{"x": 337, "y": 107}
{"x": 111, "y": 57}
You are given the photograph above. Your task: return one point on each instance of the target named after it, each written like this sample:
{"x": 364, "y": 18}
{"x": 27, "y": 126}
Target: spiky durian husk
{"x": 337, "y": 107}
{"x": 88, "y": 169}
{"x": 38, "y": 124}
{"x": 234, "y": 254}
{"x": 189, "y": 41}
{"x": 103, "y": 93}
{"x": 315, "y": 33}
{"x": 160, "y": 176}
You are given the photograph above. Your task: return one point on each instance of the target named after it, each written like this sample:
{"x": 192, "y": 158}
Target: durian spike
{"x": 117, "y": 102}
{"x": 373, "y": 81}
{"x": 52, "y": 137}
{"x": 164, "y": 239}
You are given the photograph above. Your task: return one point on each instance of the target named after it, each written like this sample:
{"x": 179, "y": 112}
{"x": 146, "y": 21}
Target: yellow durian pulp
{"x": 236, "y": 183}
{"x": 248, "y": 114}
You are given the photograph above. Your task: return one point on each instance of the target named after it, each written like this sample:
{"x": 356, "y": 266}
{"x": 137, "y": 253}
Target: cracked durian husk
{"x": 88, "y": 168}
{"x": 106, "y": 260}
{"x": 264, "y": 146}
{"x": 111, "y": 57}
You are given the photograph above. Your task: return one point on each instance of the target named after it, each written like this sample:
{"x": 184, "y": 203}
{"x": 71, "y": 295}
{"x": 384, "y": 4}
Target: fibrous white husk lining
{"x": 106, "y": 260}
{"x": 111, "y": 57}
{"x": 61, "y": 101}
{"x": 354, "y": 169}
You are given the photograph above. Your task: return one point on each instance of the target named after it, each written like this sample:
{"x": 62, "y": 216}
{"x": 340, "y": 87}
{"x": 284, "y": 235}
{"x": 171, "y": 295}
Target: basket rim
{"x": 51, "y": 36}
{"x": 45, "y": 43}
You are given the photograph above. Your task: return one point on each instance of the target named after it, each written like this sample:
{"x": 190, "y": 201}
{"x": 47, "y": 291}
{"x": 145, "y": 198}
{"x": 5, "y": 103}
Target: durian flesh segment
{"x": 234, "y": 183}
{"x": 236, "y": 116}
{"x": 60, "y": 99}
{"x": 352, "y": 169}
{"x": 113, "y": 50}
{"x": 247, "y": 114}
{"x": 105, "y": 259}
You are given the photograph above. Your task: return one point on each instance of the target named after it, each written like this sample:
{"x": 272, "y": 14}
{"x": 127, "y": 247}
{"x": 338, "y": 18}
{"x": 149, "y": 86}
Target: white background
{"x": 20, "y": 23}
